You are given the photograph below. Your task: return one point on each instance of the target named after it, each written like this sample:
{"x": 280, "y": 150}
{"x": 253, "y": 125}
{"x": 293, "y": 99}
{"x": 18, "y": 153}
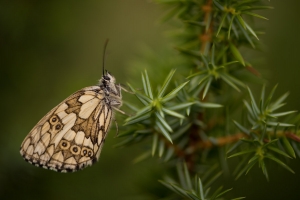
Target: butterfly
{"x": 70, "y": 137}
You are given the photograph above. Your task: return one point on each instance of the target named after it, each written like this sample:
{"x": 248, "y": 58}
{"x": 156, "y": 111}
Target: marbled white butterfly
{"x": 70, "y": 137}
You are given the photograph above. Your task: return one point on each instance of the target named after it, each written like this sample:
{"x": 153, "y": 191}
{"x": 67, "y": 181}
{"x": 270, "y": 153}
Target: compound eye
{"x": 106, "y": 78}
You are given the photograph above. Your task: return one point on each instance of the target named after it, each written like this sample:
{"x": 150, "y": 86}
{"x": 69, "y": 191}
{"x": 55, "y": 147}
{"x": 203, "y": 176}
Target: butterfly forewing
{"x": 71, "y": 135}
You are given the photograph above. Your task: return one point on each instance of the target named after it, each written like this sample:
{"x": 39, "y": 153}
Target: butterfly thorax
{"x": 111, "y": 90}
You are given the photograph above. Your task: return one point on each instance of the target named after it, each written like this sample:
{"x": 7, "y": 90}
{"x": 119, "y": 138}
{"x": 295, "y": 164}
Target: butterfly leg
{"x": 123, "y": 87}
{"x": 116, "y": 128}
{"x": 121, "y": 111}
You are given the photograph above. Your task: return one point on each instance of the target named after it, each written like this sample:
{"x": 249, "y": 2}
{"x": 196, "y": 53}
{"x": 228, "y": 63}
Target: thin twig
{"x": 206, "y": 36}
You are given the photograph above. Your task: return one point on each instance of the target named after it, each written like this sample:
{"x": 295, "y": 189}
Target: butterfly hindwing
{"x": 71, "y": 135}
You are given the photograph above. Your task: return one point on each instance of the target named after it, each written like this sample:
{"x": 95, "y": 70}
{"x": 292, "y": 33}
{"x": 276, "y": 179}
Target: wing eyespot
{"x": 64, "y": 144}
{"x": 58, "y": 126}
{"x": 53, "y": 120}
{"x": 75, "y": 150}
{"x": 86, "y": 152}
{"x": 90, "y": 153}
{"x": 55, "y": 124}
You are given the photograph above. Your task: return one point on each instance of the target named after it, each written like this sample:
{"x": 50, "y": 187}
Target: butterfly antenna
{"x": 104, "y": 53}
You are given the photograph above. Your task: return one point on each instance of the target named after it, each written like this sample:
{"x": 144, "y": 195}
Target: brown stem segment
{"x": 206, "y": 36}
{"x": 205, "y": 40}
{"x": 222, "y": 141}
{"x": 188, "y": 153}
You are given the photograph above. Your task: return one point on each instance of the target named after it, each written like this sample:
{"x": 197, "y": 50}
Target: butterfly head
{"x": 107, "y": 79}
{"x": 108, "y": 84}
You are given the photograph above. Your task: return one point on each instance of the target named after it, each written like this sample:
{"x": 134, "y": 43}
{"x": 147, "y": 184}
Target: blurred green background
{"x": 50, "y": 49}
